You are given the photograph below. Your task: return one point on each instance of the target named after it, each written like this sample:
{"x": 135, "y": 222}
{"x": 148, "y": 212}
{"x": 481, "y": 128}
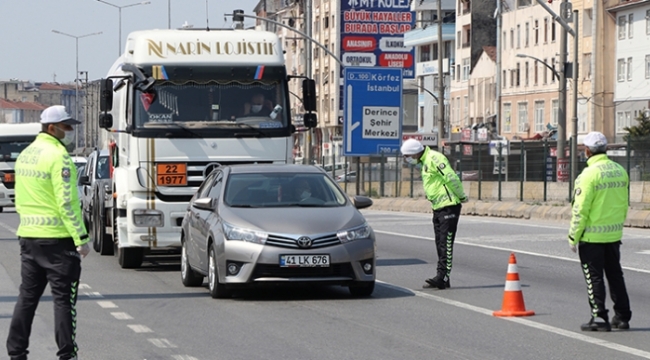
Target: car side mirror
{"x": 362, "y": 202}
{"x": 84, "y": 180}
{"x": 204, "y": 204}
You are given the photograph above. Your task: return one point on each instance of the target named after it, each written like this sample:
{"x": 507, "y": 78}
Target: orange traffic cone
{"x": 513, "y": 298}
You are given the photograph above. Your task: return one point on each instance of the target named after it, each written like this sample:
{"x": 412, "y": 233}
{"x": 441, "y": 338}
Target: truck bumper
{"x": 165, "y": 237}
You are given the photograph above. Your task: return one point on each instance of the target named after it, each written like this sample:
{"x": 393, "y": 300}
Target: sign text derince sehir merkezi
{"x": 380, "y": 122}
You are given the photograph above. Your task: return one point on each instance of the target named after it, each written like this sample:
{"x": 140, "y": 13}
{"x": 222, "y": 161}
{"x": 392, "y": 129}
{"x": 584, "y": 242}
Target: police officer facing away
{"x": 51, "y": 232}
{"x": 445, "y": 192}
{"x": 600, "y": 205}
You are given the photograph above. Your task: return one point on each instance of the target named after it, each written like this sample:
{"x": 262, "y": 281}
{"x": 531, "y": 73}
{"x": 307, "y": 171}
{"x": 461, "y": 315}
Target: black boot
{"x": 594, "y": 325}
{"x": 617, "y": 323}
{"x": 436, "y": 282}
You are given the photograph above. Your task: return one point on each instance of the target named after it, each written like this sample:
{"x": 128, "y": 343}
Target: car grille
{"x": 287, "y": 242}
{"x": 9, "y": 185}
{"x": 338, "y": 270}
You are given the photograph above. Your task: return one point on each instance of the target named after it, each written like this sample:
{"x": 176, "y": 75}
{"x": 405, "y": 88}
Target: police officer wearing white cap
{"x": 599, "y": 209}
{"x": 445, "y": 192}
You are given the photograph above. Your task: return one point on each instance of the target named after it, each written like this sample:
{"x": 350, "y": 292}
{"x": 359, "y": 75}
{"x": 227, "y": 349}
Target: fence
{"x": 521, "y": 170}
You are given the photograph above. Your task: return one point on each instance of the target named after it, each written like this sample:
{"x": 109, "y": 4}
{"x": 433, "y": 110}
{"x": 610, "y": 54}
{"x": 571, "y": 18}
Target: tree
{"x": 638, "y": 137}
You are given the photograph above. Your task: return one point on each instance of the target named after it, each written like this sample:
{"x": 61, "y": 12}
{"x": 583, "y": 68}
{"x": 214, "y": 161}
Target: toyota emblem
{"x": 210, "y": 168}
{"x": 304, "y": 242}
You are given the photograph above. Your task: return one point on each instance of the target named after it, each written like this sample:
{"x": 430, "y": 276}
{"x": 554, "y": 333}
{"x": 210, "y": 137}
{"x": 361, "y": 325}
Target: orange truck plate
{"x": 171, "y": 174}
{"x": 10, "y": 178}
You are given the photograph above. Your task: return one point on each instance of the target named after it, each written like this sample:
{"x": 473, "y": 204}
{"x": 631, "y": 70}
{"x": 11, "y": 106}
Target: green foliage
{"x": 639, "y": 136}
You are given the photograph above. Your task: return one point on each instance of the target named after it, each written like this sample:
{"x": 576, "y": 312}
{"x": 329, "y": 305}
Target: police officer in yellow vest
{"x": 52, "y": 234}
{"x": 445, "y": 192}
{"x": 600, "y": 205}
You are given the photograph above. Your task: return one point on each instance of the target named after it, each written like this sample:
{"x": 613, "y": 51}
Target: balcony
{"x": 429, "y": 35}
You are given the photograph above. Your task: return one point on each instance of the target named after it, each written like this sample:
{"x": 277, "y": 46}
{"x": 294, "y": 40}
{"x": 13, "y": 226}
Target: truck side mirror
{"x": 106, "y": 95}
{"x": 309, "y": 95}
{"x": 105, "y": 121}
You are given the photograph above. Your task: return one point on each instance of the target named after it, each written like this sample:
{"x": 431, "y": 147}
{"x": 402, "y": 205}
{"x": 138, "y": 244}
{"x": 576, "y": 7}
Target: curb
{"x": 505, "y": 209}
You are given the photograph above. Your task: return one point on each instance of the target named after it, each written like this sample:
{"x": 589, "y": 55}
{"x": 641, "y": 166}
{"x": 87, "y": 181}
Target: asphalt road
{"x": 148, "y": 314}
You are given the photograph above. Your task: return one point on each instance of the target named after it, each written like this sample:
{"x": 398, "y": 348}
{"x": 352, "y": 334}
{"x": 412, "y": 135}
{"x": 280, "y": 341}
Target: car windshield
{"x": 282, "y": 190}
{"x": 9, "y": 150}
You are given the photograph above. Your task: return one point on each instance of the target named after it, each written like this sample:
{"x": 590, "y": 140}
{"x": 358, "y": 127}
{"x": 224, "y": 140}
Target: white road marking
{"x": 8, "y": 228}
{"x": 162, "y": 343}
{"x": 121, "y": 316}
{"x": 502, "y": 249}
{"x": 84, "y": 286}
{"x": 183, "y": 357}
{"x": 643, "y": 252}
{"x": 526, "y": 322}
{"x": 107, "y": 304}
{"x": 140, "y": 328}
{"x": 93, "y": 294}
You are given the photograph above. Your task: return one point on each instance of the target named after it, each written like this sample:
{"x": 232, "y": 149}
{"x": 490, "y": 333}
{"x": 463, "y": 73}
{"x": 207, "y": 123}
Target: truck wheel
{"x": 1, "y": 209}
{"x": 130, "y": 258}
{"x": 190, "y": 277}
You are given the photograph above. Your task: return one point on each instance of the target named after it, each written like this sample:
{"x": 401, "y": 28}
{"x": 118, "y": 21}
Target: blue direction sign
{"x": 372, "y": 111}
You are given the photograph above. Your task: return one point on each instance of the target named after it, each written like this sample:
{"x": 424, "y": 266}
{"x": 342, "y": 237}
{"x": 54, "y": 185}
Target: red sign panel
{"x": 359, "y": 43}
{"x": 403, "y": 60}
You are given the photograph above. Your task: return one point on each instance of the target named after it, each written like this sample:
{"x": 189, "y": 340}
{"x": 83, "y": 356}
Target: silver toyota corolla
{"x": 269, "y": 224}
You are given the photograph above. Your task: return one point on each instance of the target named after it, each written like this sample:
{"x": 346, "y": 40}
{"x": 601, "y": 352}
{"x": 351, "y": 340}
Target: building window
{"x": 587, "y": 18}
{"x": 526, "y": 73}
{"x": 553, "y": 73}
{"x": 545, "y": 30}
{"x": 526, "y": 34}
{"x": 465, "y": 69}
{"x": 620, "y": 122}
{"x": 518, "y": 80}
{"x": 512, "y": 38}
{"x": 553, "y": 31}
{"x": 586, "y": 66}
{"x": 458, "y": 42}
{"x": 555, "y": 111}
{"x": 465, "y": 109}
{"x": 630, "y": 26}
{"x": 647, "y": 22}
{"x": 522, "y": 118}
{"x": 435, "y": 52}
{"x": 326, "y": 21}
{"x": 629, "y": 69}
{"x": 535, "y": 73}
{"x": 522, "y": 3}
{"x": 621, "y": 27}
{"x": 620, "y": 70}
{"x": 505, "y": 78}
{"x": 518, "y": 36}
{"x": 507, "y": 118}
{"x": 539, "y": 116}
{"x": 545, "y": 70}
{"x": 458, "y": 72}
{"x": 647, "y": 66}
{"x": 458, "y": 110}
{"x": 628, "y": 119}
{"x": 504, "y": 40}
{"x": 536, "y": 32}
{"x": 425, "y": 53}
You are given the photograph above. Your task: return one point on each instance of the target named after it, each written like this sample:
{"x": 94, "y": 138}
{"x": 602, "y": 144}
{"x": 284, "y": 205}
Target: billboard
{"x": 372, "y": 34}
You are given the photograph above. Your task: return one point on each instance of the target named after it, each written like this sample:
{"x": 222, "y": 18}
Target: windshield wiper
{"x": 180, "y": 126}
{"x": 257, "y": 132}
{"x": 243, "y": 206}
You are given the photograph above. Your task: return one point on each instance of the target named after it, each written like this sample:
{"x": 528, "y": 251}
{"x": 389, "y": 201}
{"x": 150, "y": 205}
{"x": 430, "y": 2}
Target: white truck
{"x": 178, "y": 104}
{"x": 13, "y": 139}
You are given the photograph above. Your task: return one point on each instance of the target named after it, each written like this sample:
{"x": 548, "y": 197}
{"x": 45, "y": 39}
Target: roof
{"x": 274, "y": 168}
{"x": 50, "y": 86}
{"x": 491, "y": 51}
{"x": 21, "y": 105}
{"x": 624, "y": 4}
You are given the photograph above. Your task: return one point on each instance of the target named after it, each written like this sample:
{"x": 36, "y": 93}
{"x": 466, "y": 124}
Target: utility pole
{"x": 309, "y": 151}
{"x": 561, "y": 121}
{"x": 498, "y": 77}
{"x": 441, "y": 82}
{"x": 574, "y": 119}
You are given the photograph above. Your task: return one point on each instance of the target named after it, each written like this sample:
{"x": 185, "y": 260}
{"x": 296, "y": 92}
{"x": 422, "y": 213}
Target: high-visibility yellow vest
{"x": 441, "y": 184}
{"x": 600, "y": 202}
{"x": 46, "y": 192}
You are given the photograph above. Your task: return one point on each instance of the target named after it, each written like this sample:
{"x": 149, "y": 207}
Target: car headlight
{"x": 361, "y": 232}
{"x": 236, "y": 233}
{"x": 148, "y": 218}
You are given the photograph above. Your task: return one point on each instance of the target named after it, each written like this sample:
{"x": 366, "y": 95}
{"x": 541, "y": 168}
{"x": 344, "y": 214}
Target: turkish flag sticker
{"x": 147, "y": 100}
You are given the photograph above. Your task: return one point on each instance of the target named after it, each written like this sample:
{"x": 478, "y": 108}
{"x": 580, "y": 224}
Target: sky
{"x": 29, "y": 50}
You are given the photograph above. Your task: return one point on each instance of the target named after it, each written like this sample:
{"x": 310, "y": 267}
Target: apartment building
{"x": 475, "y": 28}
{"x": 424, "y": 37}
{"x": 482, "y": 90}
{"x": 632, "y": 54}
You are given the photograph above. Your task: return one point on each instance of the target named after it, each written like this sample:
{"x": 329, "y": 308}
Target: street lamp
{"x": 76, "y": 81}
{"x": 119, "y": 8}
{"x": 555, "y": 73}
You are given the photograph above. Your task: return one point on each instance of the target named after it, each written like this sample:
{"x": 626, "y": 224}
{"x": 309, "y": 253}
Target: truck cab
{"x": 14, "y": 138}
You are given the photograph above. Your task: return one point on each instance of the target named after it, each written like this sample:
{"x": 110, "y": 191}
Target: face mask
{"x": 68, "y": 138}
{"x": 256, "y": 108}
{"x": 411, "y": 160}
{"x": 305, "y": 194}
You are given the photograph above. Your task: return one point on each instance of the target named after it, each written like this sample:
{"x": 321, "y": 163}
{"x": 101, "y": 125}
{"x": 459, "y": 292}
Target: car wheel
{"x": 217, "y": 289}
{"x": 190, "y": 277}
{"x": 1, "y": 209}
{"x": 130, "y": 258}
{"x": 93, "y": 233}
{"x": 362, "y": 289}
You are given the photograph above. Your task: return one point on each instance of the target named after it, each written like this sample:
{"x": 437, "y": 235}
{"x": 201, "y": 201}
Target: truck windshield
{"x": 10, "y": 149}
{"x": 213, "y": 108}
